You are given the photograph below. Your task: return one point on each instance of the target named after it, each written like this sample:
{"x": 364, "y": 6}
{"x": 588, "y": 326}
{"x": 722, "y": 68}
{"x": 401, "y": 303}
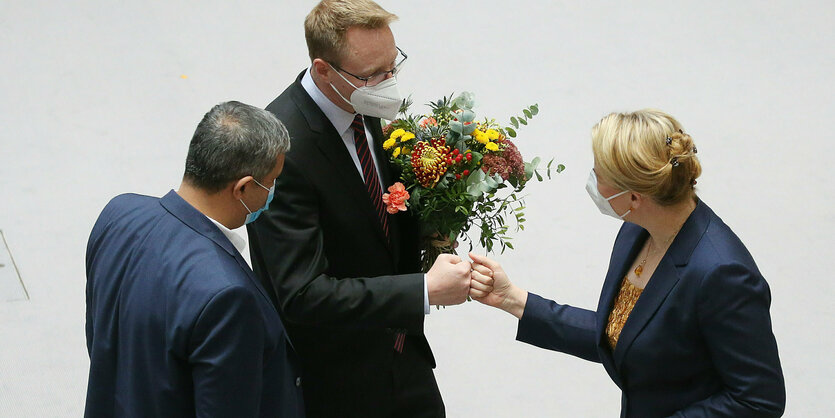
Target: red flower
{"x": 396, "y": 198}
{"x": 507, "y": 164}
{"x": 430, "y": 161}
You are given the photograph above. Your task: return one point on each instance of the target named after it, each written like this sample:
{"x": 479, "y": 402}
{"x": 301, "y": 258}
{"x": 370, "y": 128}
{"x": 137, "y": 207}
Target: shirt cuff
{"x": 426, "y": 309}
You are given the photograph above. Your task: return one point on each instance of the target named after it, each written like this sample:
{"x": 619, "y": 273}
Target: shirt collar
{"x": 340, "y": 119}
{"x": 237, "y": 241}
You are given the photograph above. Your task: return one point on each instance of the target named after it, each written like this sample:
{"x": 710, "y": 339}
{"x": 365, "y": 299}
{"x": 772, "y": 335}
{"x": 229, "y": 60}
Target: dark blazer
{"x": 177, "y": 324}
{"x": 698, "y": 342}
{"x": 320, "y": 229}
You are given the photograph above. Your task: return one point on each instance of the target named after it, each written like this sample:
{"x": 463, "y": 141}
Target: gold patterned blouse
{"x": 624, "y": 302}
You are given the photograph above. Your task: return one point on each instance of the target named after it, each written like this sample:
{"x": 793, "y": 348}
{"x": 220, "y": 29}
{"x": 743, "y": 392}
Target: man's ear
{"x": 239, "y": 187}
{"x": 321, "y": 70}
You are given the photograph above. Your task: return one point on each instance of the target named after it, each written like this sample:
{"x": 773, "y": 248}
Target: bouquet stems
{"x": 433, "y": 247}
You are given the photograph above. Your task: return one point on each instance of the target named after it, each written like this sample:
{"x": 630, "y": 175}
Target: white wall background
{"x": 92, "y": 104}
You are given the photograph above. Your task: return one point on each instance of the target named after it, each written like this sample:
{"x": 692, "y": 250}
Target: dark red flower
{"x": 508, "y": 163}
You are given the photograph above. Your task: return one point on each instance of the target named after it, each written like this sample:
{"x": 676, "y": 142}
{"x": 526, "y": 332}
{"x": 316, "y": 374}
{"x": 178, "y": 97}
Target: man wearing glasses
{"x": 343, "y": 272}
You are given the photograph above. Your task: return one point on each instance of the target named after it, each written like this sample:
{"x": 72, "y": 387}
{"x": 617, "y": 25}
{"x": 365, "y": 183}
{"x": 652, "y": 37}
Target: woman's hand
{"x": 491, "y": 286}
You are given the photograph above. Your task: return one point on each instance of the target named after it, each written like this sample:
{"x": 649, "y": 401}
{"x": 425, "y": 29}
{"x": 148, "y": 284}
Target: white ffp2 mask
{"x": 603, "y": 203}
{"x": 380, "y": 100}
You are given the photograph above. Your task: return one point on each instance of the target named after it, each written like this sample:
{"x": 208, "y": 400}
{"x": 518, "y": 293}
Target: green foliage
{"x": 527, "y": 114}
{"x": 459, "y": 201}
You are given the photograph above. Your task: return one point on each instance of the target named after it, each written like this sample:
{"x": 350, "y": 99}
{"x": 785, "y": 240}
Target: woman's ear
{"x": 637, "y": 200}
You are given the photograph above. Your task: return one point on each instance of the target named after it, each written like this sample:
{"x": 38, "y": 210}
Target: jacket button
{"x": 298, "y": 382}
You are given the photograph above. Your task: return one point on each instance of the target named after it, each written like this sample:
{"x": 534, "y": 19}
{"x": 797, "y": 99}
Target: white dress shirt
{"x": 341, "y": 121}
{"x": 237, "y": 241}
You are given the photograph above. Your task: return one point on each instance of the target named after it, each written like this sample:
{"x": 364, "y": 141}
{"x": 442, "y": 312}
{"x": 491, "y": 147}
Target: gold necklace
{"x": 640, "y": 268}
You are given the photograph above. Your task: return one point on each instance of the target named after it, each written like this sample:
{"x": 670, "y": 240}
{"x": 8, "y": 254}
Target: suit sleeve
{"x": 735, "y": 322}
{"x": 288, "y": 254}
{"x": 226, "y": 355}
{"x": 549, "y": 325}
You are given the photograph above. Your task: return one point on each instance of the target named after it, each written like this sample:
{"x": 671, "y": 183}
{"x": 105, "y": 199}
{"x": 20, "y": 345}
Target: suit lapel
{"x": 329, "y": 142}
{"x": 663, "y": 280}
{"x": 198, "y": 222}
{"x": 626, "y": 249}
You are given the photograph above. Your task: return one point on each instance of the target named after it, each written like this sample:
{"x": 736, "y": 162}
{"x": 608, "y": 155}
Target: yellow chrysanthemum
{"x": 397, "y": 133}
{"x": 481, "y": 137}
{"x": 492, "y": 134}
{"x": 407, "y": 136}
{"x": 389, "y": 143}
{"x": 492, "y": 146}
{"x": 396, "y": 152}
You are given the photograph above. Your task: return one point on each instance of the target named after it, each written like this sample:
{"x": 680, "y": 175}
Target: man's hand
{"x": 448, "y": 281}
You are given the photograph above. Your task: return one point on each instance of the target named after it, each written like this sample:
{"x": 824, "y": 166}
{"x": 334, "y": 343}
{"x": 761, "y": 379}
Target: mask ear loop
{"x": 247, "y": 207}
{"x": 346, "y": 80}
{"x": 613, "y": 209}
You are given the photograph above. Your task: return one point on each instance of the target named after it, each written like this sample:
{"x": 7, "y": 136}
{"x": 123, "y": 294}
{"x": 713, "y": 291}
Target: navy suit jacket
{"x": 177, "y": 323}
{"x": 698, "y": 342}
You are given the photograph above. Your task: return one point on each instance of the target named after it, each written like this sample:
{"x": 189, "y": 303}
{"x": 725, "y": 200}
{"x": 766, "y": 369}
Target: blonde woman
{"x": 683, "y": 324}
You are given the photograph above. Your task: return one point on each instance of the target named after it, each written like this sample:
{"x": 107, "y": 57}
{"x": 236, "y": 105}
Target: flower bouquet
{"x": 458, "y": 172}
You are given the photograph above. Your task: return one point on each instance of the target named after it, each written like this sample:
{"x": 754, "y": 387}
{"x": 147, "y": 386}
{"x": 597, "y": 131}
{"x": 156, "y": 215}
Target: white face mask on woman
{"x": 381, "y": 100}
{"x": 603, "y": 203}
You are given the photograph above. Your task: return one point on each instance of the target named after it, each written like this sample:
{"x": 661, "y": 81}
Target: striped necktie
{"x": 375, "y": 192}
{"x": 369, "y": 173}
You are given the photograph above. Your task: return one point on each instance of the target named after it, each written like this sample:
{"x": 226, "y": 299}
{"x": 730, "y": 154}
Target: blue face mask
{"x": 252, "y": 216}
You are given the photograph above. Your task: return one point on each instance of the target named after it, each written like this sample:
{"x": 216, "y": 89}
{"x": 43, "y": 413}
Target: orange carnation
{"x": 396, "y": 198}
{"x": 428, "y": 121}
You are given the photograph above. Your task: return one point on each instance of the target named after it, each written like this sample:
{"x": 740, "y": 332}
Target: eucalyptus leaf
{"x": 456, "y": 126}
{"x": 466, "y": 115}
{"x": 465, "y": 100}
{"x": 485, "y": 186}
{"x": 534, "y": 109}
{"x": 474, "y": 191}
{"x": 514, "y": 122}
{"x": 527, "y": 113}
{"x": 476, "y": 177}
{"x": 510, "y": 132}
{"x": 529, "y": 169}
{"x": 523, "y": 121}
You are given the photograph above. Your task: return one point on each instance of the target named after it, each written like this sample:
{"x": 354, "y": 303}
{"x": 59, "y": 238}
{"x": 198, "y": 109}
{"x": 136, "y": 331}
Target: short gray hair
{"x": 234, "y": 140}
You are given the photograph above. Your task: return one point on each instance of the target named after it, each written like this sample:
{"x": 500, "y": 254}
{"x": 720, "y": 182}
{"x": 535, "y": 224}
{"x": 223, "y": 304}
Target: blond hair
{"x": 646, "y": 152}
{"x": 325, "y": 26}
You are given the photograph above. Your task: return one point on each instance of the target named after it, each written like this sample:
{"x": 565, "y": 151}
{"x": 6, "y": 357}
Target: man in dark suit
{"x": 177, "y": 323}
{"x": 346, "y": 273}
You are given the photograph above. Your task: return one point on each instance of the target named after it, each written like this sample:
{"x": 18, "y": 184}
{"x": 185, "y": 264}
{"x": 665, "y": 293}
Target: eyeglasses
{"x": 378, "y": 78}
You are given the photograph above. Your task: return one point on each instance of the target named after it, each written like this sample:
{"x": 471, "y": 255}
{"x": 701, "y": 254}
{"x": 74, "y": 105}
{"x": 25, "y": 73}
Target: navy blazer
{"x": 698, "y": 342}
{"x": 177, "y": 323}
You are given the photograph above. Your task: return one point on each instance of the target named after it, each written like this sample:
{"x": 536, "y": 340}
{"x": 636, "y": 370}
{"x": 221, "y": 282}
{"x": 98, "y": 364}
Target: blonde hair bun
{"x": 647, "y": 152}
